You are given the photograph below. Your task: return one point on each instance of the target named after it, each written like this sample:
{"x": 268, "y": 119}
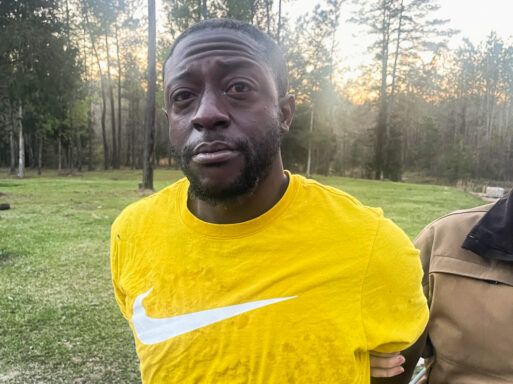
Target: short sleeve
{"x": 394, "y": 310}
{"x": 115, "y": 240}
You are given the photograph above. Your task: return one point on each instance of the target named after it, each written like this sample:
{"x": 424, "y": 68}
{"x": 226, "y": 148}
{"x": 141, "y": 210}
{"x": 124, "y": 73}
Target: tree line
{"x": 73, "y": 88}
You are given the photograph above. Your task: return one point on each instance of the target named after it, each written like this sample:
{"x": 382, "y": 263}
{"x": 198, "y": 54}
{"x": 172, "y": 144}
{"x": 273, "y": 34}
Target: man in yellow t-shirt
{"x": 242, "y": 272}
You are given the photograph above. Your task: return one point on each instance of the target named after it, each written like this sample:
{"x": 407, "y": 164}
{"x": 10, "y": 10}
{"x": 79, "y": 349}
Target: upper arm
{"x": 394, "y": 310}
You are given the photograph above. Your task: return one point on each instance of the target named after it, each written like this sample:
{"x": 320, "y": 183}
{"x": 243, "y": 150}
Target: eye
{"x": 239, "y": 87}
{"x": 182, "y": 96}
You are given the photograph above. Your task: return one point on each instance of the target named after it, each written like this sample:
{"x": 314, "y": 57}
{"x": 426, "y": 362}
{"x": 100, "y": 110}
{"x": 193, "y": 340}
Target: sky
{"x": 474, "y": 18}
{"x": 477, "y": 18}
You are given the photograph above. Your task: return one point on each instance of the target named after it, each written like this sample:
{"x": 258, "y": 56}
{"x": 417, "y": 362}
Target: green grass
{"x": 59, "y": 322}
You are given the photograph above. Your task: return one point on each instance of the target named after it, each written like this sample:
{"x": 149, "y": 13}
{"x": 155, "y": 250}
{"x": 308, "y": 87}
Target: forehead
{"x": 220, "y": 43}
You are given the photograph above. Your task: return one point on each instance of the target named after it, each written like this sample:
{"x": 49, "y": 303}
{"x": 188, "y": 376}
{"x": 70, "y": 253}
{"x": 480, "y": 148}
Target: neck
{"x": 267, "y": 193}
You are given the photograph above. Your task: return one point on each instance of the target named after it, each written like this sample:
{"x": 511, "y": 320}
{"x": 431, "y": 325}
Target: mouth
{"x": 214, "y": 153}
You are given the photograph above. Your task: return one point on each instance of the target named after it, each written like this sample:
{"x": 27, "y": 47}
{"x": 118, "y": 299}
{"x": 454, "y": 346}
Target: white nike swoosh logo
{"x": 152, "y": 331}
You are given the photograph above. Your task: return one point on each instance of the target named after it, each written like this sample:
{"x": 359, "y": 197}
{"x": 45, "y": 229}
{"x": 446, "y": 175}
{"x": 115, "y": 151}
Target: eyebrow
{"x": 229, "y": 65}
{"x": 184, "y": 75}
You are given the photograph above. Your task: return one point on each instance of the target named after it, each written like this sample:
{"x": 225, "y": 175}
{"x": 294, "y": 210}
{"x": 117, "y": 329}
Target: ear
{"x": 287, "y": 107}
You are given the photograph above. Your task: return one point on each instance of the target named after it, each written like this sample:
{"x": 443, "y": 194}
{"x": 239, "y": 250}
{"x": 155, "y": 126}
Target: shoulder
{"x": 463, "y": 217}
{"x": 452, "y": 227}
{"x": 335, "y": 201}
{"x": 148, "y": 210}
{"x": 440, "y": 243}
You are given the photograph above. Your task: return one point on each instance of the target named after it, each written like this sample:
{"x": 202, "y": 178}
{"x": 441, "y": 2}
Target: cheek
{"x": 178, "y": 131}
{"x": 257, "y": 117}
{"x": 173, "y": 135}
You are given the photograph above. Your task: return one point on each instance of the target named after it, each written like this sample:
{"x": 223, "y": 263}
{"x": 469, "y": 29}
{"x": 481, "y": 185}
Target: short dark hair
{"x": 270, "y": 50}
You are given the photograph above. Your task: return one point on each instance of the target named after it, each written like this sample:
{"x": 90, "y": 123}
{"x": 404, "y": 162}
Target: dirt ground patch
{"x": 6, "y": 256}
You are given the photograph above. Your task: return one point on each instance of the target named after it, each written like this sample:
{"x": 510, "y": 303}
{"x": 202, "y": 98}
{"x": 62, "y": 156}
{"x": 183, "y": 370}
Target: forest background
{"x": 74, "y": 88}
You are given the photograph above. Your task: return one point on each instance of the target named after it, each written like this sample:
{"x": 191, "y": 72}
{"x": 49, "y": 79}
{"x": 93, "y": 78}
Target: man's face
{"x": 224, "y": 115}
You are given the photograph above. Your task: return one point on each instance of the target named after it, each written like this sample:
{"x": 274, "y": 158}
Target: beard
{"x": 258, "y": 160}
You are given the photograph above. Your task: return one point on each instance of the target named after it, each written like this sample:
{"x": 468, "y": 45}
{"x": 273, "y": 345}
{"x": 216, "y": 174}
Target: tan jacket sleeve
{"x": 424, "y": 243}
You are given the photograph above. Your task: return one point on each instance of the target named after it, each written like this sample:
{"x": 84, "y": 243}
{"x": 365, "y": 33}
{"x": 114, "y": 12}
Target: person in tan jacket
{"x": 467, "y": 257}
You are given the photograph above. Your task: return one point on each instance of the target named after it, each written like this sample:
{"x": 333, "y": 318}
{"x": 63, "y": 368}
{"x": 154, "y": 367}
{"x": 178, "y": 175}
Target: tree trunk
{"x": 129, "y": 131}
{"x": 150, "y": 100}
{"x": 104, "y": 131}
{"x": 119, "y": 99}
{"x": 309, "y": 157}
{"x": 59, "y": 154}
{"x": 132, "y": 157}
{"x": 89, "y": 118}
{"x": 40, "y": 154}
{"x": 115, "y": 162}
{"x": 133, "y": 133}
{"x": 90, "y": 133}
{"x": 128, "y": 142}
{"x": 381, "y": 125}
{"x": 102, "y": 83}
{"x": 12, "y": 146}
{"x": 394, "y": 69}
{"x": 30, "y": 163}
{"x": 252, "y": 8}
{"x": 70, "y": 106}
{"x": 21, "y": 160}
{"x": 79, "y": 152}
{"x": 204, "y": 9}
{"x": 70, "y": 143}
{"x": 156, "y": 158}
{"x": 279, "y": 23}
{"x": 67, "y": 154}
{"x": 268, "y": 15}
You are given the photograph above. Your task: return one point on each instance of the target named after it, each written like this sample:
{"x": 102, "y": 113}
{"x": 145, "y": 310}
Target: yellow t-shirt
{"x": 299, "y": 294}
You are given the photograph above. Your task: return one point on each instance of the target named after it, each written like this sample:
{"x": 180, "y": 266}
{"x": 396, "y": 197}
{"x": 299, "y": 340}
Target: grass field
{"x": 58, "y": 319}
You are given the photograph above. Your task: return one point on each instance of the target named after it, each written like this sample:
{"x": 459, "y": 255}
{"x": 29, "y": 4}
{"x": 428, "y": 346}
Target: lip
{"x": 214, "y": 152}
{"x": 212, "y": 146}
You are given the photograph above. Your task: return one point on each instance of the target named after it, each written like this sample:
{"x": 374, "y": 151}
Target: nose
{"x": 211, "y": 113}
